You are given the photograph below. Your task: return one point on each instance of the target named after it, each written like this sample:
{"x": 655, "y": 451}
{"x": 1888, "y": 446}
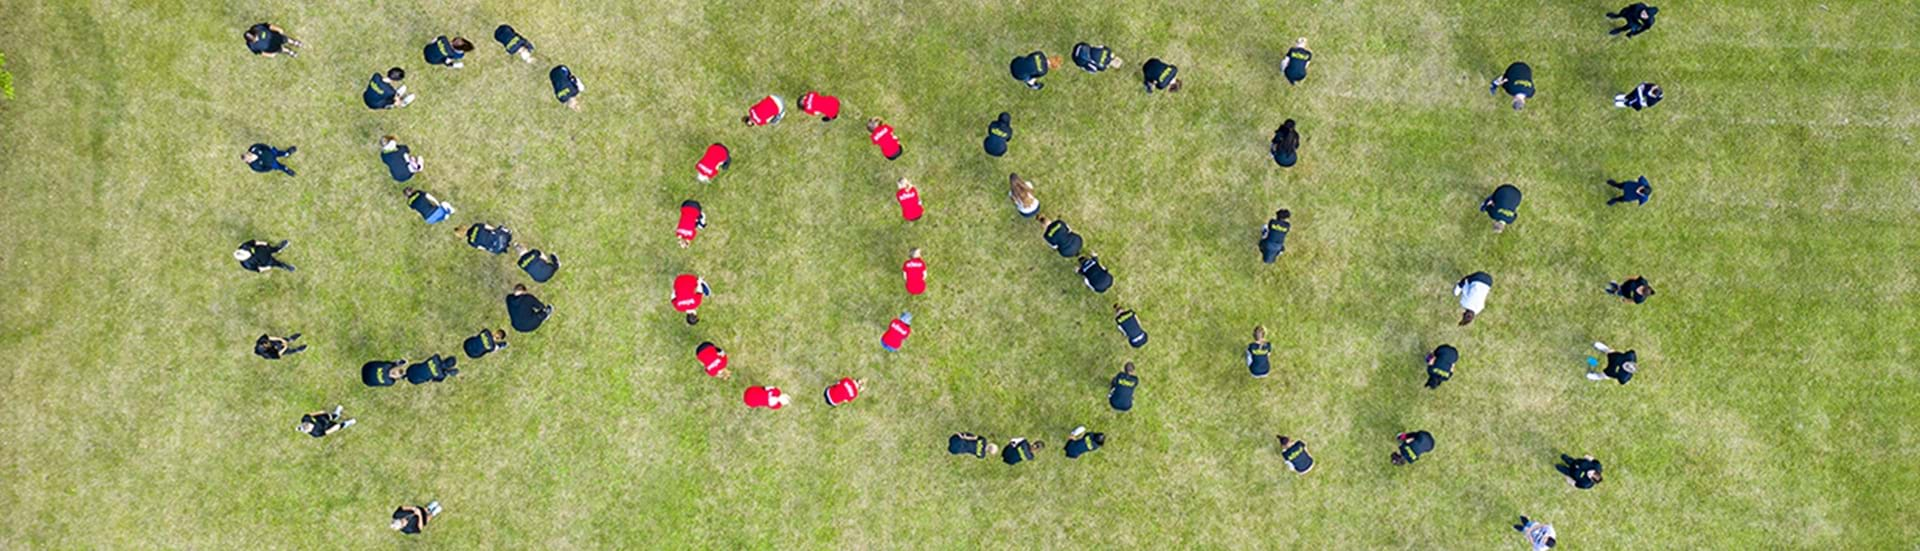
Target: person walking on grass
{"x": 1635, "y": 290}
{"x": 1440, "y": 365}
{"x": 1294, "y": 65}
{"x": 525, "y": 312}
{"x": 1129, "y": 325}
{"x": 820, "y": 105}
{"x": 1640, "y": 97}
{"x": 1538, "y": 534}
{"x": 258, "y": 256}
{"x": 716, "y": 159}
{"x": 487, "y": 237}
{"x": 401, "y": 162}
{"x": 265, "y": 158}
{"x": 967, "y": 443}
{"x": 1259, "y": 362}
{"x": 1582, "y": 473}
{"x": 1160, "y": 75}
{"x": 1503, "y": 206}
{"x": 768, "y": 397}
{"x": 1273, "y": 238}
{"x": 688, "y": 292}
{"x": 1473, "y": 291}
{"x": 322, "y": 423}
{"x": 1120, "y": 390}
{"x": 539, "y": 265}
{"x": 384, "y": 91}
{"x": 1080, "y": 442}
{"x": 1637, "y": 191}
{"x": 268, "y": 40}
{"x": 712, "y": 360}
{"x": 1060, "y": 237}
{"x": 274, "y": 348}
{"x": 1285, "y": 147}
{"x": 897, "y": 332}
{"x": 915, "y": 272}
{"x": 999, "y": 132}
{"x": 430, "y": 208}
{"x": 884, "y": 138}
{"x": 1094, "y": 59}
{"x": 1094, "y": 274}
{"x": 487, "y": 341}
{"x": 410, "y": 520}
{"x": 1294, "y": 453}
{"x": 566, "y": 87}
{"x": 1412, "y": 446}
{"x": 513, "y": 42}
{"x": 1620, "y": 365}
{"x": 1638, "y": 18}
{"x": 1517, "y": 81}
{"x": 447, "y": 52}
{"x": 1029, "y": 68}
{"x": 692, "y": 219}
{"x": 911, "y": 209}
{"x": 1020, "y": 190}
{"x": 1019, "y": 449}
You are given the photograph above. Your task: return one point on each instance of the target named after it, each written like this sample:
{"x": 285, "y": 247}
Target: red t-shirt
{"x": 688, "y": 228}
{"x": 889, "y": 143}
{"x": 712, "y": 358}
{"x": 763, "y": 113}
{"x": 916, "y": 270}
{"x": 896, "y": 335}
{"x": 815, "y": 103}
{"x": 709, "y": 165}
{"x": 686, "y": 293}
{"x": 910, "y": 207}
{"x": 843, "y": 392}
{"x": 762, "y": 397}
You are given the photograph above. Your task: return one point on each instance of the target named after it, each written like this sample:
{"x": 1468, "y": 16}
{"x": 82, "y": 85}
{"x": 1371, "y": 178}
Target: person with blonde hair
{"x": 1259, "y": 364}
{"x": 1294, "y": 66}
{"x": 1021, "y": 191}
{"x": 401, "y": 163}
{"x": 967, "y": 443}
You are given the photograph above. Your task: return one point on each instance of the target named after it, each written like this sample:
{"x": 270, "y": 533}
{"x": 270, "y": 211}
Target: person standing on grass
{"x": 1120, "y": 391}
{"x": 431, "y": 209}
{"x": 385, "y": 92}
{"x": 525, "y": 312}
{"x": 487, "y": 237}
{"x": 274, "y": 348}
{"x": 1094, "y": 59}
{"x": 1285, "y": 147}
{"x": 897, "y": 332}
{"x": 383, "y": 372}
{"x": 1294, "y": 453}
{"x": 1294, "y": 66}
{"x": 1539, "y": 534}
{"x": 1517, "y": 81}
{"x": 688, "y": 292}
{"x": 1273, "y": 238}
{"x": 1638, "y": 17}
{"x": 1473, "y": 291}
{"x": 1259, "y": 363}
{"x": 1060, "y": 237}
{"x": 1095, "y": 275}
{"x": 999, "y": 132}
{"x": 843, "y": 392}
{"x": 1020, "y": 191}
{"x": 443, "y": 51}
{"x": 909, "y": 198}
{"x": 915, "y": 271}
{"x": 485, "y": 342}
{"x": 322, "y": 423}
{"x": 1029, "y": 68}
{"x": 716, "y": 159}
{"x": 712, "y": 359}
{"x": 1635, "y": 290}
{"x": 692, "y": 219}
{"x": 966, "y": 443}
{"x": 1640, "y": 97}
{"x": 257, "y": 256}
{"x": 1503, "y": 206}
{"x": 513, "y": 42}
{"x": 265, "y": 158}
{"x": 268, "y": 40}
{"x": 1019, "y": 449}
{"x": 566, "y": 87}
{"x": 1620, "y": 365}
{"x": 1582, "y": 473}
{"x": 1440, "y": 365}
{"x": 768, "y": 397}
{"x": 820, "y": 105}
{"x": 410, "y": 520}
{"x": 1080, "y": 442}
{"x": 1637, "y": 191}
{"x": 400, "y": 161}
{"x": 539, "y": 265}
{"x": 434, "y": 369}
{"x": 768, "y": 110}
{"x": 1160, "y": 75}
{"x": 1129, "y": 326}
{"x": 883, "y": 137}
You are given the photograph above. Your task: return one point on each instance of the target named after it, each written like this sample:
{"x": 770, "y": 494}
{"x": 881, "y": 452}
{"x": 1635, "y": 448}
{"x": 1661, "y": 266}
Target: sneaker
{"x": 1077, "y": 431}
{"x": 458, "y": 65}
{"x": 433, "y": 508}
{"x": 1592, "y": 376}
{"x": 347, "y": 423}
{"x": 1602, "y": 347}
{"x": 292, "y": 149}
{"x": 337, "y": 410}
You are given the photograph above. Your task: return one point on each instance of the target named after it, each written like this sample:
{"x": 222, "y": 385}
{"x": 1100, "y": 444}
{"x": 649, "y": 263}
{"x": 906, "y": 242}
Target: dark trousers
{"x": 296, "y": 349}
{"x": 1632, "y": 14}
{"x": 273, "y": 155}
{"x": 1268, "y": 255}
{"x": 1625, "y": 194}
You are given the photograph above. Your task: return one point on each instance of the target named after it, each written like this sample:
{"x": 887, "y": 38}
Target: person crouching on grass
{"x": 268, "y": 40}
{"x": 884, "y": 138}
{"x": 712, "y": 360}
{"x": 386, "y": 92}
{"x": 566, "y": 87}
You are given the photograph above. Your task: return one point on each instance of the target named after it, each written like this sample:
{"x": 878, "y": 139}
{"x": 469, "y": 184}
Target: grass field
{"x": 1776, "y": 408}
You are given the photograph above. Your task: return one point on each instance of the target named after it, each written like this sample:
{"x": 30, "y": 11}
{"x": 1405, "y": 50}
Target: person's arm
{"x": 1284, "y": 61}
{"x": 276, "y": 28}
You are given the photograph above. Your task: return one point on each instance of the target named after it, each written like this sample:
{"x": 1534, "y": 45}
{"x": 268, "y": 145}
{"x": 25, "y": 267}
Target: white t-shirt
{"x": 1473, "y": 295}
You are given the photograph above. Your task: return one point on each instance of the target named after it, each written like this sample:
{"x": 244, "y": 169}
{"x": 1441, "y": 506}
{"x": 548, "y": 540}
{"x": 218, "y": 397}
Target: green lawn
{"x": 1776, "y": 407}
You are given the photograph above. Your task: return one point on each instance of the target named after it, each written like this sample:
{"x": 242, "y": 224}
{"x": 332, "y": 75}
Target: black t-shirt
{"x": 565, "y": 87}
{"x": 441, "y": 52}
{"x": 526, "y": 312}
{"x": 1420, "y": 444}
{"x": 959, "y": 444}
{"x": 1629, "y": 289}
{"x": 1616, "y": 365}
{"x": 263, "y": 158}
{"x": 999, "y": 132}
{"x": 422, "y": 204}
{"x": 537, "y": 266}
{"x": 265, "y": 39}
{"x": 397, "y": 165}
{"x": 1519, "y": 79}
{"x": 511, "y": 39}
{"x": 1120, "y": 392}
{"x": 320, "y": 424}
{"x": 379, "y": 94}
{"x": 1029, "y": 67}
{"x": 1257, "y": 361}
{"x": 1097, "y": 276}
{"x": 1091, "y": 58}
{"x": 1081, "y": 446}
{"x": 266, "y": 348}
{"x": 1015, "y": 452}
{"x": 1130, "y": 326}
{"x": 422, "y": 373}
{"x": 481, "y": 344}
{"x": 1275, "y": 237}
{"x": 1504, "y": 204}
{"x": 1443, "y": 359}
{"x": 414, "y": 521}
{"x": 1159, "y": 74}
{"x": 374, "y": 373}
{"x": 489, "y": 238}
{"x": 262, "y": 256}
{"x": 1297, "y": 66}
{"x": 1062, "y": 239}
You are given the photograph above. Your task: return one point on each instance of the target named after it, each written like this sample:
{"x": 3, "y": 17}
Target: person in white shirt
{"x": 1473, "y": 291}
{"x": 1537, "y": 533}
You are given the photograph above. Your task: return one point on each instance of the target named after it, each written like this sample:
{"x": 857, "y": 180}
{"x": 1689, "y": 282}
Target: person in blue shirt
{"x": 1285, "y": 147}
{"x": 514, "y": 43}
{"x": 1094, "y": 59}
{"x": 999, "y": 132}
{"x": 435, "y": 369}
{"x": 539, "y": 265}
{"x": 401, "y": 162}
{"x": 386, "y": 92}
{"x": 1637, "y": 191}
{"x": 1259, "y": 364}
{"x": 1638, "y": 16}
{"x": 431, "y": 209}
{"x": 265, "y": 158}
{"x": 1019, "y": 449}
{"x": 1440, "y": 365}
{"x": 1120, "y": 391}
{"x": 1517, "y": 81}
{"x": 1503, "y": 206}
{"x": 383, "y": 372}
{"x": 1294, "y": 453}
{"x": 1413, "y": 445}
{"x": 1129, "y": 326}
{"x": 525, "y": 312}
{"x": 257, "y": 256}
{"x": 1029, "y": 68}
{"x": 268, "y": 40}
{"x": 1294, "y": 66}
{"x": 1273, "y": 238}
{"x": 1160, "y": 75}
{"x": 1095, "y": 275}
{"x": 966, "y": 443}
{"x": 1081, "y": 442}
{"x": 486, "y": 237}
{"x": 566, "y": 87}
{"x": 443, "y": 51}
{"x": 484, "y": 343}
{"x": 1060, "y": 237}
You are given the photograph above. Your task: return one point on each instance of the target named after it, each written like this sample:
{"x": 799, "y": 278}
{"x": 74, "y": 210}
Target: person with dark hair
{"x": 1094, "y": 59}
{"x": 443, "y": 51}
{"x": 1294, "y": 66}
{"x": 966, "y": 443}
{"x": 524, "y": 311}
{"x": 1620, "y": 365}
{"x": 1503, "y": 206}
{"x": 485, "y": 342}
{"x": 268, "y": 40}
{"x": 430, "y": 208}
{"x": 1095, "y": 275}
{"x": 688, "y": 292}
{"x": 1129, "y": 326}
{"x": 410, "y": 520}
{"x": 566, "y": 87}
{"x": 1273, "y": 238}
{"x": 1060, "y": 237}
{"x": 257, "y": 256}
{"x": 768, "y": 397}
{"x": 1540, "y": 535}
{"x": 401, "y": 162}
{"x": 1029, "y": 68}
{"x": 274, "y": 348}
{"x": 1080, "y": 442}
{"x": 384, "y": 91}
{"x": 1294, "y": 453}
{"x": 692, "y": 218}
{"x": 999, "y": 132}
{"x": 908, "y": 196}
{"x": 1582, "y": 473}
{"x": 383, "y": 372}
{"x": 1517, "y": 81}
{"x": 1413, "y": 445}
{"x": 538, "y": 264}
{"x": 434, "y": 369}
{"x": 1259, "y": 352}
{"x": 486, "y": 237}
{"x": 844, "y": 391}
{"x": 1637, "y": 191}
{"x": 768, "y": 110}
{"x": 1635, "y": 290}
{"x": 1440, "y": 365}
{"x": 265, "y": 158}
{"x": 897, "y": 332}
{"x": 1285, "y": 147}
{"x": 1638, "y": 17}
{"x": 712, "y": 359}
{"x": 915, "y": 272}
{"x": 884, "y": 138}
{"x": 1019, "y": 449}
{"x": 820, "y": 105}
{"x": 322, "y": 423}
{"x": 1160, "y": 75}
{"x": 1020, "y": 190}
{"x": 1640, "y": 97}
{"x": 1473, "y": 291}
{"x": 714, "y": 160}
{"x": 513, "y": 42}
{"x": 1120, "y": 391}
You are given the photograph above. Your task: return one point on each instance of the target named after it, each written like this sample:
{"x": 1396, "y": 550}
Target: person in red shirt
{"x": 768, "y": 397}
{"x": 824, "y": 106}
{"x": 897, "y": 332}
{"x": 916, "y": 272}
{"x": 844, "y": 391}
{"x": 713, "y": 359}
{"x": 909, "y": 197}
{"x": 692, "y": 218}
{"x": 884, "y": 137}
{"x": 716, "y": 159}
{"x": 688, "y": 291}
{"x": 768, "y": 111}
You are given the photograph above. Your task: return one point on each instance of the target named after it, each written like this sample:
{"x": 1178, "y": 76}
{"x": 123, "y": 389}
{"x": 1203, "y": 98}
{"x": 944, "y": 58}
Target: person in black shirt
{"x": 1440, "y": 365}
{"x": 401, "y": 163}
{"x": 1273, "y": 238}
{"x": 487, "y": 237}
{"x": 1160, "y": 75}
{"x": 1019, "y": 449}
{"x": 999, "y": 132}
{"x": 1081, "y": 442}
{"x": 1060, "y": 237}
{"x": 1413, "y": 445}
{"x": 431, "y": 208}
{"x": 1120, "y": 391}
{"x": 1285, "y": 147}
{"x": 1294, "y": 453}
{"x": 566, "y": 87}
{"x": 1635, "y": 290}
{"x": 386, "y": 92}
{"x": 1029, "y": 68}
{"x": 1620, "y": 365}
{"x": 1637, "y": 191}
{"x": 1095, "y": 275}
{"x": 1094, "y": 59}
{"x": 526, "y": 312}
{"x": 514, "y": 43}
{"x": 966, "y": 443}
{"x": 410, "y": 520}
{"x": 1129, "y": 326}
{"x": 443, "y": 51}
{"x": 268, "y": 40}
{"x": 1517, "y": 81}
{"x": 257, "y": 256}
{"x": 1639, "y": 18}
{"x": 1640, "y": 97}
{"x": 436, "y": 368}
{"x": 1294, "y": 66}
{"x": 484, "y": 343}
{"x": 322, "y": 423}
{"x": 539, "y": 265}
{"x": 266, "y": 158}
{"x": 274, "y": 348}
{"x": 1258, "y": 362}
{"x": 1582, "y": 473}
{"x": 383, "y": 372}
{"x": 1503, "y": 206}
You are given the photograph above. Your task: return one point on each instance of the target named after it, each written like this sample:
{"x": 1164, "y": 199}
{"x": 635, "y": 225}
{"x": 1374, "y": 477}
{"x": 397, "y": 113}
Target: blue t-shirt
{"x": 375, "y": 373}
{"x": 565, "y": 87}
{"x": 1062, "y": 239}
{"x": 265, "y": 40}
{"x": 1029, "y": 67}
{"x": 958, "y": 445}
{"x": 441, "y": 52}
{"x": 536, "y": 265}
{"x": 1443, "y": 359}
{"x": 1297, "y": 457}
{"x": 481, "y": 344}
{"x": 1297, "y": 64}
{"x": 379, "y": 94}
{"x": 1015, "y": 452}
{"x": 1257, "y": 361}
{"x": 1091, "y": 58}
{"x": 1120, "y": 392}
{"x": 1421, "y": 444}
{"x": 490, "y": 239}
{"x": 396, "y": 162}
{"x": 1130, "y": 326}
{"x": 1097, "y": 276}
{"x": 526, "y": 313}
{"x": 999, "y": 132}
{"x": 1159, "y": 74}
{"x": 1504, "y": 204}
{"x": 1275, "y": 236}
{"x": 1082, "y": 446}
{"x": 511, "y": 39}
{"x": 1519, "y": 80}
